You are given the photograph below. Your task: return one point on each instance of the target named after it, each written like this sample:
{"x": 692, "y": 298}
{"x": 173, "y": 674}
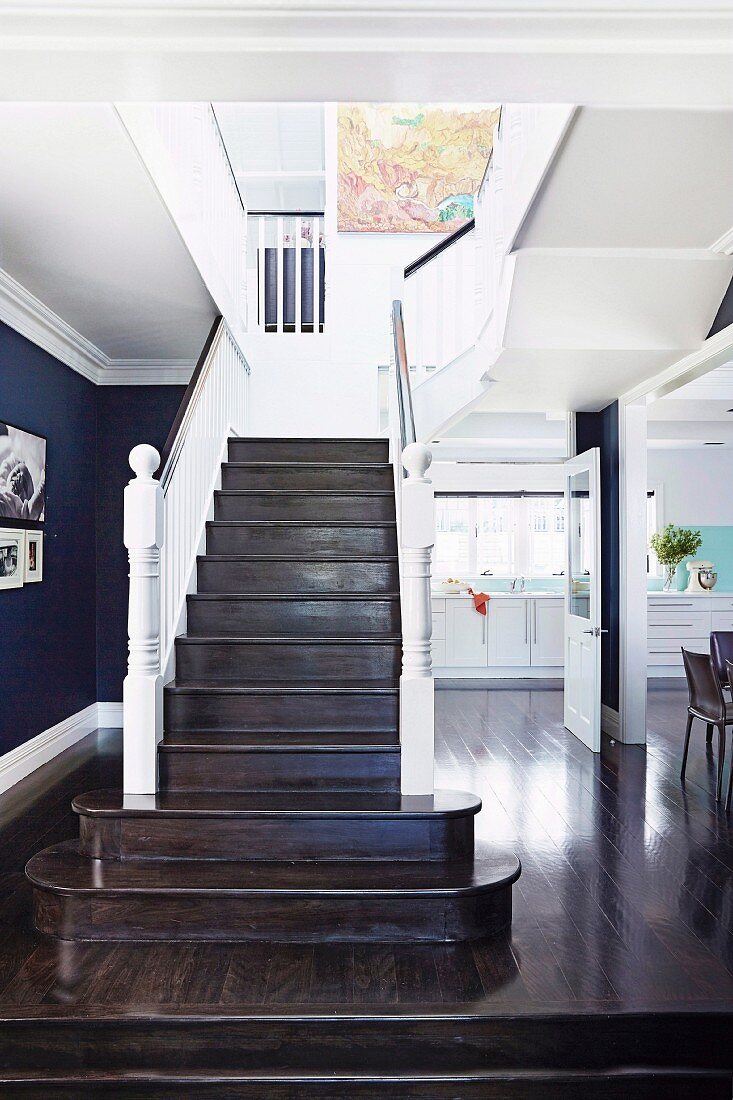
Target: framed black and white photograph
{"x": 33, "y": 557}
{"x": 12, "y": 558}
{"x": 22, "y": 474}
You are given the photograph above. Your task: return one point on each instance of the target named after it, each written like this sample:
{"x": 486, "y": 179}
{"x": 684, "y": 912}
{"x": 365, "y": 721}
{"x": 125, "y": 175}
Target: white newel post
{"x": 417, "y": 715}
{"x": 142, "y": 693}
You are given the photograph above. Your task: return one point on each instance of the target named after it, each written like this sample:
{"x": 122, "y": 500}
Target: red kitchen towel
{"x": 480, "y": 600}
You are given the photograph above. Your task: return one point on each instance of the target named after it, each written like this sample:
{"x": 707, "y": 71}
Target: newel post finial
{"x": 142, "y": 693}
{"x": 416, "y": 683}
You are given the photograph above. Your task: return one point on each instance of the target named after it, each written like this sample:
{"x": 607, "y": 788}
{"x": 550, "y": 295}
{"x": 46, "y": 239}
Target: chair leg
{"x": 721, "y": 760}
{"x": 730, "y": 788}
{"x": 709, "y": 736}
{"x": 687, "y": 745}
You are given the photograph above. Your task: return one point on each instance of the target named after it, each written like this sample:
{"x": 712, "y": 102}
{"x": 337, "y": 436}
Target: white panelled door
{"x": 583, "y": 598}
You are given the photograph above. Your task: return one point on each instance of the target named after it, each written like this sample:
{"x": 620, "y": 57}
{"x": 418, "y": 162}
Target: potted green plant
{"x": 671, "y": 545}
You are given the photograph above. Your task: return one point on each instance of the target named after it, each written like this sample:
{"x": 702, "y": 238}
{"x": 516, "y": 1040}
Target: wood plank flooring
{"x": 625, "y": 901}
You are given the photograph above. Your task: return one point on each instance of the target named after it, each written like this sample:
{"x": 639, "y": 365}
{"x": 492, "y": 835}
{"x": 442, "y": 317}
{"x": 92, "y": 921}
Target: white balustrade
{"x": 284, "y": 263}
{"x": 165, "y": 526}
{"x": 440, "y": 306}
{"x": 415, "y": 500}
{"x": 182, "y": 148}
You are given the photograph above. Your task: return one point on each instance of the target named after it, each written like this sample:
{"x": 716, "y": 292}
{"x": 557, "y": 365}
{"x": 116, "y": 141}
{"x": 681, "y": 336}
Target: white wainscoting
{"x": 21, "y": 761}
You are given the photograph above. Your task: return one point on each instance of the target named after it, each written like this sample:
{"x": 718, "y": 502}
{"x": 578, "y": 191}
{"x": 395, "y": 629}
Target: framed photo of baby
{"x": 22, "y": 475}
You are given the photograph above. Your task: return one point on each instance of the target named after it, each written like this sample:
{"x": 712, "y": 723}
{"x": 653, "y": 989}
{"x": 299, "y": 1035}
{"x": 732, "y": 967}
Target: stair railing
{"x": 164, "y": 530}
{"x": 286, "y": 263}
{"x": 415, "y": 502}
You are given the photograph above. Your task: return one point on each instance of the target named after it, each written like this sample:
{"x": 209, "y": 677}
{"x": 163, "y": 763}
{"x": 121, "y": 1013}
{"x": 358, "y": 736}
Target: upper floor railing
{"x": 439, "y": 297}
{"x": 165, "y": 522}
{"x": 286, "y": 264}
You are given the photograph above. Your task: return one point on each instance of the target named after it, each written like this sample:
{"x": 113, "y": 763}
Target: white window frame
{"x": 520, "y": 532}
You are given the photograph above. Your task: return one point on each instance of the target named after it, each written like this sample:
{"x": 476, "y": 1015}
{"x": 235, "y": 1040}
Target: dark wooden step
{"x": 242, "y": 574}
{"x": 260, "y": 706}
{"x": 322, "y": 614}
{"x": 288, "y": 657}
{"x": 323, "y": 740}
{"x": 230, "y": 825}
{"x": 307, "y": 475}
{"x": 639, "y": 1083}
{"x": 320, "y": 507}
{"x": 301, "y": 537}
{"x": 308, "y": 450}
{"x": 256, "y": 764}
{"x": 294, "y": 902}
{"x": 450, "y": 1039}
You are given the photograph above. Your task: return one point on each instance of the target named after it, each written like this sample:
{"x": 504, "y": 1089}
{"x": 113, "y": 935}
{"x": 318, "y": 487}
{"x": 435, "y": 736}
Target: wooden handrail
{"x": 185, "y": 409}
{"x": 285, "y": 214}
{"x": 441, "y": 246}
{"x": 402, "y": 370}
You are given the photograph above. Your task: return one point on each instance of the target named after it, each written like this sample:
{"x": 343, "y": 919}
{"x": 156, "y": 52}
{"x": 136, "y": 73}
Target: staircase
{"x": 279, "y": 814}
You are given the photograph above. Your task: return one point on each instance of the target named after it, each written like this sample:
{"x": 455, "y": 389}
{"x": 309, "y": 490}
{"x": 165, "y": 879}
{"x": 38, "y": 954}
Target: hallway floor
{"x": 626, "y": 896}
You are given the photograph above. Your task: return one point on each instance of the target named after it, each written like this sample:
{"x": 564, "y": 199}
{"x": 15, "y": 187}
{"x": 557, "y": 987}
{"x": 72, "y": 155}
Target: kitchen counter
{"x": 437, "y": 595}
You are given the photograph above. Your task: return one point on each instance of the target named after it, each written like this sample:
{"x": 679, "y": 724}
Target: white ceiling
{"x": 84, "y": 230}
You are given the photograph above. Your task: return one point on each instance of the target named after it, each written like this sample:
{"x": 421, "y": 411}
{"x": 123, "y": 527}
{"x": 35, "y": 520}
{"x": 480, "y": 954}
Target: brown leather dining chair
{"x": 707, "y": 703}
{"x": 721, "y": 650}
{"x": 729, "y": 670}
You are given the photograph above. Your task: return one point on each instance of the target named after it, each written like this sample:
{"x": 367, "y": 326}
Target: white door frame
{"x": 584, "y": 631}
{"x": 632, "y": 411}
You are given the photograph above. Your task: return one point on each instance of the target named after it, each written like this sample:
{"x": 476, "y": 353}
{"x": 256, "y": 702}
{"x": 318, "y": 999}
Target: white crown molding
{"x": 28, "y": 315}
{"x": 25, "y": 313}
{"x": 147, "y": 372}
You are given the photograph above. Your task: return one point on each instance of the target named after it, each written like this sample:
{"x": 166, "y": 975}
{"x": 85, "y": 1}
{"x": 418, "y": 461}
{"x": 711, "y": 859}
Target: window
{"x": 506, "y": 535}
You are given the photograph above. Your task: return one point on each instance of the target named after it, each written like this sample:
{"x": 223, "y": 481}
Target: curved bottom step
{"x": 626, "y": 1084}
{"x": 78, "y": 898}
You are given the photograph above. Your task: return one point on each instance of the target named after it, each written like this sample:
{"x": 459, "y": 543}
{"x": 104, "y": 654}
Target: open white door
{"x": 583, "y": 598}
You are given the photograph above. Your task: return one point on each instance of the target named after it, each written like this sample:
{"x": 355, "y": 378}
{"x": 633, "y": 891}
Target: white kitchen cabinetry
{"x": 465, "y": 635}
{"x": 682, "y": 620}
{"x": 548, "y": 631}
{"x": 508, "y": 631}
{"x": 519, "y": 634}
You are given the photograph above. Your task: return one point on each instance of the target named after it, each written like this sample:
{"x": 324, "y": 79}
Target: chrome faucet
{"x": 513, "y": 586}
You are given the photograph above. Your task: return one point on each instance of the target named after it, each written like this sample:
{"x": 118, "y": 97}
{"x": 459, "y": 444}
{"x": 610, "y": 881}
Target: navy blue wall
{"x": 601, "y": 430}
{"x": 724, "y": 316}
{"x": 63, "y": 642}
{"x": 126, "y": 416}
{"x": 48, "y": 631}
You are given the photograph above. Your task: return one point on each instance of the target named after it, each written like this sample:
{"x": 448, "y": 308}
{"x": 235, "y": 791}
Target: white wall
{"x": 326, "y": 384}
{"x": 697, "y": 485}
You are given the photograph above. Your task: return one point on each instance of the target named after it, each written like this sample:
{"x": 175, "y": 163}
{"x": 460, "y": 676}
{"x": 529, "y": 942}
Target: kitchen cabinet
{"x": 508, "y": 631}
{"x": 682, "y": 619}
{"x": 465, "y": 635}
{"x": 547, "y": 631}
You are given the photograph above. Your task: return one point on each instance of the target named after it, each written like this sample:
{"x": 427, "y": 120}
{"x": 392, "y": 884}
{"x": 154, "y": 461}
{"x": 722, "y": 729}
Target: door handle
{"x": 526, "y": 622}
{"x": 596, "y": 631}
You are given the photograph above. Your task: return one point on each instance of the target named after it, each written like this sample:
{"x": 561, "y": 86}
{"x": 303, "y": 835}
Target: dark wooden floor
{"x": 626, "y": 898}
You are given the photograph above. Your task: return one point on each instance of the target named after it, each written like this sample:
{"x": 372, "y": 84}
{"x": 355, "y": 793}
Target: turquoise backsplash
{"x": 500, "y": 584}
{"x": 717, "y": 546}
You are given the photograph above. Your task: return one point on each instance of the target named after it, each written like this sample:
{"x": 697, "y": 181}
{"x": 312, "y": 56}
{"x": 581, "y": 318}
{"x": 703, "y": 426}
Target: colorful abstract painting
{"x": 410, "y": 167}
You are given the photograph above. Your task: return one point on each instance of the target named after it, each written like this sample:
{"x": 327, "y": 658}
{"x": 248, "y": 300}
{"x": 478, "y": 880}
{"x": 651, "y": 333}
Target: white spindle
{"x": 261, "y": 272}
{"x": 417, "y": 535}
{"x": 298, "y": 257}
{"x": 142, "y": 692}
{"x": 315, "y": 239}
{"x": 280, "y": 273}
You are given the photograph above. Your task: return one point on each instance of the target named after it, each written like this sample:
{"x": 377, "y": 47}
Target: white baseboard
{"x": 20, "y": 762}
{"x": 498, "y": 672}
{"x": 610, "y": 721}
{"x": 109, "y": 715}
